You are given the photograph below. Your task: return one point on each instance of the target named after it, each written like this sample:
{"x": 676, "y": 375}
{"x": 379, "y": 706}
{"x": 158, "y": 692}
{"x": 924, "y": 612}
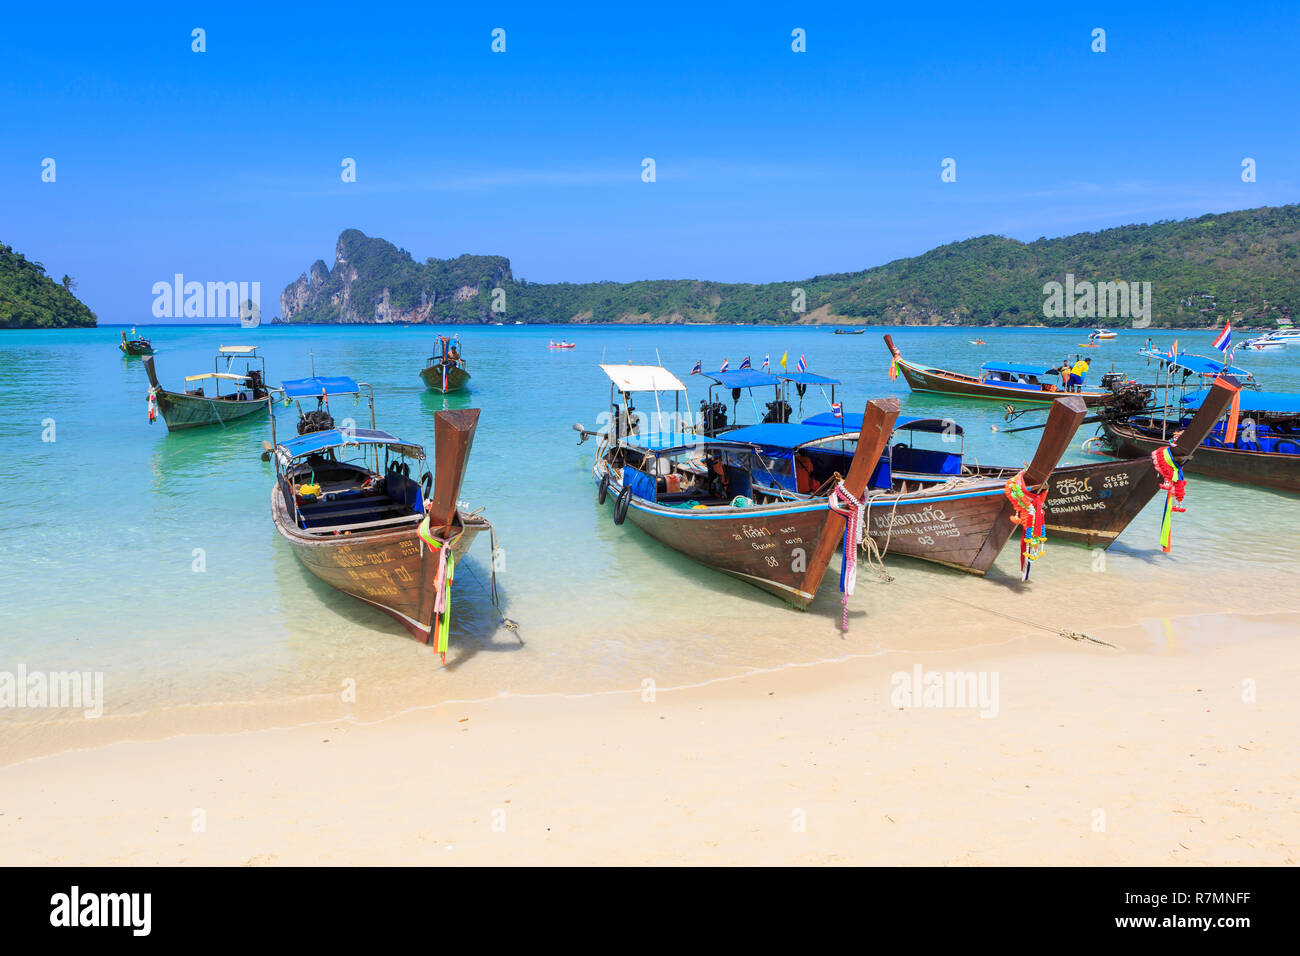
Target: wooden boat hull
{"x": 964, "y": 529}
{"x": 1268, "y": 470}
{"x": 457, "y": 379}
{"x": 389, "y": 571}
{"x": 768, "y": 546}
{"x": 965, "y": 386}
{"x": 966, "y": 525}
{"x": 134, "y": 351}
{"x": 943, "y": 382}
{"x": 1091, "y": 504}
{"x": 784, "y": 547}
{"x": 182, "y": 411}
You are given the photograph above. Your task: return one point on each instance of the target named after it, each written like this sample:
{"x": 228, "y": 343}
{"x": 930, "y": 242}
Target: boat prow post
{"x": 877, "y": 425}
{"x": 453, "y": 437}
{"x": 149, "y": 369}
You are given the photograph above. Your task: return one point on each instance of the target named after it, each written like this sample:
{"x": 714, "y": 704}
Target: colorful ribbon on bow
{"x": 1174, "y": 486}
{"x": 152, "y": 403}
{"x": 893, "y": 368}
{"x": 440, "y": 629}
{"x": 1031, "y": 515}
{"x": 842, "y": 503}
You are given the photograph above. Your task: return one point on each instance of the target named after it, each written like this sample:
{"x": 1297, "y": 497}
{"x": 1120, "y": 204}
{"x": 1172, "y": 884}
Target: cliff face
{"x": 29, "y": 299}
{"x": 374, "y": 281}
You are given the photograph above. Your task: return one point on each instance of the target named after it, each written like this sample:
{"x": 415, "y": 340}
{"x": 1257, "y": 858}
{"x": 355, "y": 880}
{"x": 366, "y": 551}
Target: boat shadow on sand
{"x": 476, "y": 626}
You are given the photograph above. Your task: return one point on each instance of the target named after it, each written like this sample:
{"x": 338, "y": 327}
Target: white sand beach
{"x": 1181, "y": 752}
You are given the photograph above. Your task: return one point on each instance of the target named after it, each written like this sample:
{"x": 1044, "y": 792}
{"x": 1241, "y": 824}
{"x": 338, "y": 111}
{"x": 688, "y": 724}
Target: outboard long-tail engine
{"x": 256, "y": 383}
{"x": 778, "y": 410}
{"x": 713, "y": 417}
{"x": 319, "y": 420}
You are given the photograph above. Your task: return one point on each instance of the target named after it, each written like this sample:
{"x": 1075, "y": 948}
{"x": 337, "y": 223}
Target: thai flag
{"x": 766, "y": 362}
{"x": 725, "y": 366}
{"x": 1225, "y": 337}
{"x": 803, "y": 365}
{"x": 745, "y": 363}
{"x": 837, "y": 409}
{"x": 698, "y": 368}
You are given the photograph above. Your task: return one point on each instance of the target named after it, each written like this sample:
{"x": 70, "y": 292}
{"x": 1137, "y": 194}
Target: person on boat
{"x": 719, "y": 483}
{"x": 1077, "y": 375}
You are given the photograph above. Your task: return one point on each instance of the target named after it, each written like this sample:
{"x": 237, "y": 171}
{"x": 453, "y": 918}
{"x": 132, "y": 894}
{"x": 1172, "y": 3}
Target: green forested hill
{"x": 1243, "y": 265}
{"x": 29, "y": 299}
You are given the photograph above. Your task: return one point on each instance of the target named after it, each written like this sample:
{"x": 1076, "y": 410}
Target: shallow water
{"x": 103, "y": 523}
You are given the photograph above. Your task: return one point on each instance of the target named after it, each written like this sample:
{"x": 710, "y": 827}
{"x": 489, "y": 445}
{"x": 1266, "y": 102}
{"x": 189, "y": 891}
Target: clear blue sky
{"x": 772, "y": 165}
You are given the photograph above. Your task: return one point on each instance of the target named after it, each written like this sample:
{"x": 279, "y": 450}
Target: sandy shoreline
{"x": 1153, "y": 752}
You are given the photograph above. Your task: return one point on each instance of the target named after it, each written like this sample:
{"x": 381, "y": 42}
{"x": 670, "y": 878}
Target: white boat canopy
{"x": 643, "y": 378}
{"x": 225, "y": 375}
{"x": 237, "y": 349}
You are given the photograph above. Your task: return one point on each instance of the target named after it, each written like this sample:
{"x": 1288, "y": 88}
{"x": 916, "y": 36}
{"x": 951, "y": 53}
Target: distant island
{"x": 1240, "y": 265}
{"x": 29, "y": 299}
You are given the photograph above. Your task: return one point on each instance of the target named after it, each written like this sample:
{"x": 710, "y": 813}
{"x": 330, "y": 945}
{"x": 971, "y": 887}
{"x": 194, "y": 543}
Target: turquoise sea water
{"x": 97, "y": 562}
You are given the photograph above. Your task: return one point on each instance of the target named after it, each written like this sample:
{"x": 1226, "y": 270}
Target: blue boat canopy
{"x": 1014, "y": 368}
{"x": 788, "y": 435}
{"x": 321, "y": 384}
{"x": 743, "y": 378}
{"x": 852, "y": 422}
{"x": 1201, "y": 365}
{"x": 301, "y": 445}
{"x": 808, "y": 378}
{"x": 666, "y": 442}
{"x": 1283, "y": 403}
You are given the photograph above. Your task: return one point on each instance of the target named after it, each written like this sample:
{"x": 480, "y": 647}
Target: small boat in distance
{"x": 849, "y": 331}
{"x": 560, "y": 345}
{"x": 193, "y": 408}
{"x": 1102, "y": 334}
{"x": 135, "y": 346}
{"x": 1004, "y": 381}
{"x": 348, "y": 506}
{"x": 978, "y": 342}
{"x": 445, "y": 370}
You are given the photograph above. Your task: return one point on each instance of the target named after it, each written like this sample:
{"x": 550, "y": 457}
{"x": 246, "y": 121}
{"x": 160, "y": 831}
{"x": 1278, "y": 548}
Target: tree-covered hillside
{"x": 29, "y": 299}
{"x": 1240, "y": 265}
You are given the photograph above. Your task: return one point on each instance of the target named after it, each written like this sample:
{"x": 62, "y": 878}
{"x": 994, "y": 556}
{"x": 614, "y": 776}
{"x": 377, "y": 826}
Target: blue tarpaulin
{"x": 808, "y": 378}
{"x": 335, "y": 438}
{"x": 314, "y": 387}
{"x": 1014, "y": 368}
{"x": 777, "y": 435}
{"x": 1202, "y": 366}
{"x": 853, "y": 423}
{"x": 743, "y": 378}
{"x": 1284, "y": 403}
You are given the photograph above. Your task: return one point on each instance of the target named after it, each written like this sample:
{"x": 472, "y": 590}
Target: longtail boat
{"x": 445, "y": 371}
{"x": 705, "y": 497}
{"x": 961, "y": 522}
{"x": 1005, "y": 381}
{"x": 136, "y": 346}
{"x": 193, "y": 408}
{"x": 1258, "y": 443}
{"x": 1090, "y": 503}
{"x": 356, "y": 516}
